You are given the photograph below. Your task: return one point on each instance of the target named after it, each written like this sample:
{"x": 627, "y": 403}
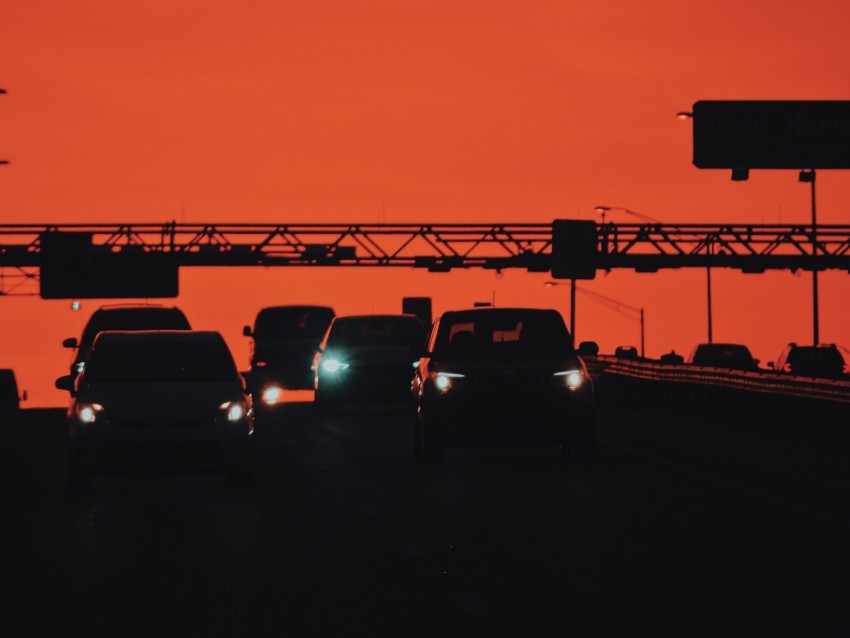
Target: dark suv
{"x": 502, "y": 376}
{"x": 285, "y": 340}
{"x": 123, "y": 317}
{"x": 823, "y": 361}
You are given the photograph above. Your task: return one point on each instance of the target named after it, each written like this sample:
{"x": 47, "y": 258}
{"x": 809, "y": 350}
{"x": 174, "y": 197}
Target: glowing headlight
{"x": 333, "y": 365}
{"x": 87, "y": 412}
{"x": 80, "y": 366}
{"x": 272, "y": 394}
{"x": 571, "y": 378}
{"x": 234, "y": 409}
{"x": 444, "y": 380}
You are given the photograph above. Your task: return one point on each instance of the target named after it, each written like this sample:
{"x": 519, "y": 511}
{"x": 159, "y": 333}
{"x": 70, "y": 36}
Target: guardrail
{"x": 762, "y": 394}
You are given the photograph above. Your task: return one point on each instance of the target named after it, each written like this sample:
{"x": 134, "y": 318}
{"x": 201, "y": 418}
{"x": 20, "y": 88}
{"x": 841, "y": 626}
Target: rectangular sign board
{"x": 72, "y": 268}
{"x": 771, "y": 134}
{"x": 574, "y": 249}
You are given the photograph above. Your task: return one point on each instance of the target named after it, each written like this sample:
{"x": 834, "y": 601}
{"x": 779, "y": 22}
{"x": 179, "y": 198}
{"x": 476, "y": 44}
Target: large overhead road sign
{"x": 771, "y": 134}
{"x": 73, "y": 267}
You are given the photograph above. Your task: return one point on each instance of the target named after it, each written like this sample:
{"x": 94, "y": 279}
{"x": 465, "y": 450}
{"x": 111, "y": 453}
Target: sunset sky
{"x": 410, "y": 111}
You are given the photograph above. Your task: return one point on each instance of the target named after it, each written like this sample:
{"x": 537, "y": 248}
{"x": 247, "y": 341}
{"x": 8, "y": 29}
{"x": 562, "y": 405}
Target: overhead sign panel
{"x": 771, "y": 134}
{"x": 72, "y": 268}
{"x": 574, "y": 249}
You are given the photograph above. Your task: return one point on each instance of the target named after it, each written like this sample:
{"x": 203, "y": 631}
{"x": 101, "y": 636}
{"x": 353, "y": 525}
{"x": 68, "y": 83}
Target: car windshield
{"x": 297, "y": 322}
{"x": 389, "y": 331}
{"x": 514, "y": 335}
{"x": 816, "y": 361}
{"x": 133, "y": 319}
{"x": 166, "y": 361}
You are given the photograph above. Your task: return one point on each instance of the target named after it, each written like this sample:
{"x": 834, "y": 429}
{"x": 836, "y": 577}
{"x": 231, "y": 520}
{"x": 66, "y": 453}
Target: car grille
{"x": 164, "y": 425}
{"x": 510, "y": 380}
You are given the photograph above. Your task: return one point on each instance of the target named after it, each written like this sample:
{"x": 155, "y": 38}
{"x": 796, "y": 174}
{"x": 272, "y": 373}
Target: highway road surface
{"x": 343, "y": 534}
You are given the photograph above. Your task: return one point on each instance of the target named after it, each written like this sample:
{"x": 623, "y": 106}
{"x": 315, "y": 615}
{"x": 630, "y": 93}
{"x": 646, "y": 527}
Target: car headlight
{"x": 80, "y": 366}
{"x": 88, "y": 413}
{"x": 572, "y": 379}
{"x": 271, "y": 395}
{"x": 333, "y": 365}
{"x": 234, "y": 410}
{"x": 445, "y": 380}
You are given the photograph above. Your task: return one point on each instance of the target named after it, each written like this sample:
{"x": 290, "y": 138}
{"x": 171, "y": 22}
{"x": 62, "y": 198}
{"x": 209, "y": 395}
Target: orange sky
{"x": 284, "y": 111}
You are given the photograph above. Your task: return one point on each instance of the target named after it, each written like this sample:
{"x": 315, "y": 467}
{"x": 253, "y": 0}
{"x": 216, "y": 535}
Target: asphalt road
{"x": 343, "y": 534}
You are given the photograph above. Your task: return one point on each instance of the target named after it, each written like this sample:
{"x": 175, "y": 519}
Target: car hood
{"x": 161, "y": 402}
{"x": 283, "y": 346}
{"x": 506, "y": 366}
{"x": 376, "y": 355}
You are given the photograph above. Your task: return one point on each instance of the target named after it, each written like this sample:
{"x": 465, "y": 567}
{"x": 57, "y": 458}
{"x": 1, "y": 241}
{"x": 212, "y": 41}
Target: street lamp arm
{"x": 612, "y": 303}
{"x": 634, "y": 213}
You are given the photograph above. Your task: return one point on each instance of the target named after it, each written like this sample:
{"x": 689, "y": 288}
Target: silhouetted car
{"x": 626, "y": 352}
{"x": 723, "y": 355}
{"x": 9, "y": 397}
{"x": 497, "y": 377}
{"x": 671, "y": 358}
{"x": 367, "y": 359}
{"x": 158, "y": 400}
{"x": 285, "y": 338}
{"x": 823, "y": 361}
{"x": 123, "y": 317}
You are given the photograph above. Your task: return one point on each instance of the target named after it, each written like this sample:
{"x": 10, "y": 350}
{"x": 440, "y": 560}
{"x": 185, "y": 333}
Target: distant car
{"x": 723, "y": 355}
{"x": 367, "y": 359}
{"x": 158, "y": 400}
{"x": 671, "y": 358}
{"x": 502, "y": 377}
{"x": 822, "y": 361}
{"x": 123, "y": 317}
{"x": 285, "y": 339}
{"x": 627, "y": 352}
{"x": 10, "y": 400}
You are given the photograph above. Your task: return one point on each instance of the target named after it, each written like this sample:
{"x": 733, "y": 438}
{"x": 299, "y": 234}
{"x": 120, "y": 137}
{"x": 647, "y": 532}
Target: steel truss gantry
{"x": 435, "y": 247}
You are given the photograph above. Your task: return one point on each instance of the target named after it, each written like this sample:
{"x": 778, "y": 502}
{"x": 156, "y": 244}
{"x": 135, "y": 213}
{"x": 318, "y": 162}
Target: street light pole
{"x": 573, "y": 311}
{"x": 809, "y": 176}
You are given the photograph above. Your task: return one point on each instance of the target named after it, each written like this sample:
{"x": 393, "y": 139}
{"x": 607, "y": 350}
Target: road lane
{"x": 343, "y": 534}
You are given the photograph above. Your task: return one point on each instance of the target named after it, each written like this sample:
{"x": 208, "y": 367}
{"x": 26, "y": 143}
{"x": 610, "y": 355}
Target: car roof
{"x": 379, "y": 317}
{"x": 134, "y": 308}
{"x": 471, "y": 313}
{"x": 306, "y": 306}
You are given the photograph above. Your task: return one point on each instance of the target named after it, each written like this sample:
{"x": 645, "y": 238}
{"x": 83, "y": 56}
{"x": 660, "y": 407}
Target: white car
{"x": 158, "y": 400}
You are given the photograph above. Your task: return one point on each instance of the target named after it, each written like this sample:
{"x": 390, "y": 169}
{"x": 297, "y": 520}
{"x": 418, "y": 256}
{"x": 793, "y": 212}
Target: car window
{"x": 167, "y": 361}
{"x": 376, "y": 331}
{"x": 292, "y": 322}
{"x": 505, "y": 334}
{"x": 132, "y": 319}
{"x": 815, "y": 361}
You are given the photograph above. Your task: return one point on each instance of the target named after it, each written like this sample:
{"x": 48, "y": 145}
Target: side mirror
{"x": 24, "y": 396}
{"x": 771, "y": 365}
{"x": 246, "y": 331}
{"x": 66, "y": 383}
{"x": 70, "y": 342}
